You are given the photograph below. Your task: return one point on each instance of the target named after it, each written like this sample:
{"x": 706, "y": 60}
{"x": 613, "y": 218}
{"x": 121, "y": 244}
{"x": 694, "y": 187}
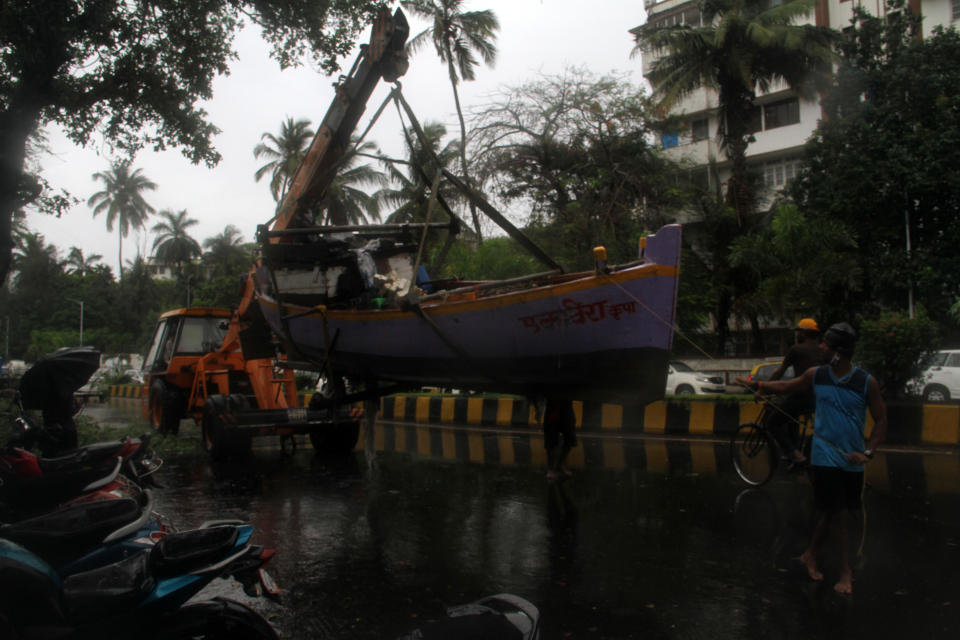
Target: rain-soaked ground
{"x": 650, "y": 538}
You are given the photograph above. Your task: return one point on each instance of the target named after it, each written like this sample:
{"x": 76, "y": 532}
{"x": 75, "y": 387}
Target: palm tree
{"x": 413, "y": 194}
{"x": 345, "y": 202}
{"x": 173, "y": 244}
{"x": 457, "y": 35}
{"x": 225, "y": 254}
{"x": 743, "y": 45}
{"x": 35, "y": 261}
{"x": 123, "y": 201}
{"x": 79, "y": 264}
{"x": 285, "y": 152}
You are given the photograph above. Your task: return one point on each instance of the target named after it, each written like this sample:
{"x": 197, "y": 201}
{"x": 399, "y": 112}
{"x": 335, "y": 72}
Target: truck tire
{"x": 166, "y": 407}
{"x": 337, "y": 439}
{"x": 221, "y": 440}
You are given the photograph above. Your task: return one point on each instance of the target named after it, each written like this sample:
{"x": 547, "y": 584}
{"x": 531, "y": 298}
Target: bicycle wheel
{"x": 753, "y": 454}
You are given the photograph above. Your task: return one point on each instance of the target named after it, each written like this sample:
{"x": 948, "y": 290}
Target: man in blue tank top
{"x": 843, "y": 394}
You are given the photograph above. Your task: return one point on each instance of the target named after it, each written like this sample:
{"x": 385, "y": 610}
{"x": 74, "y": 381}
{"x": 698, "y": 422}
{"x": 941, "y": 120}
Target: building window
{"x": 691, "y": 16}
{"x": 700, "y": 129}
{"x": 776, "y": 175}
{"x": 955, "y": 10}
{"x": 781, "y": 113}
{"x": 669, "y": 139}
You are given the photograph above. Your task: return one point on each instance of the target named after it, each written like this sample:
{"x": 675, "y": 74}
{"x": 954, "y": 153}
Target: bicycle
{"x": 754, "y": 451}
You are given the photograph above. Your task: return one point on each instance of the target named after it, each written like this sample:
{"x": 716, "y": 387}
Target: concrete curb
{"x": 910, "y": 424}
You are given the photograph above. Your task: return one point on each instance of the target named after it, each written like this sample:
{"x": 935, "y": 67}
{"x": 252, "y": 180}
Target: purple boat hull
{"x": 598, "y": 335}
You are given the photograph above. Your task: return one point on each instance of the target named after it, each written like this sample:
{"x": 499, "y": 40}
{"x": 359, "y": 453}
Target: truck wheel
{"x": 166, "y": 407}
{"x": 221, "y": 440}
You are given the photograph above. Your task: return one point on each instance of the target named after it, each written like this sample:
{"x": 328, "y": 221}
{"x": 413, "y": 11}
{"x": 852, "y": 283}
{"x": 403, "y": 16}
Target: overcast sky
{"x": 536, "y": 36}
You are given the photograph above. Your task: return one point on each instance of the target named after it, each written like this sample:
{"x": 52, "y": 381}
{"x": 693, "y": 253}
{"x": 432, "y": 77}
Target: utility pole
{"x": 80, "y": 302}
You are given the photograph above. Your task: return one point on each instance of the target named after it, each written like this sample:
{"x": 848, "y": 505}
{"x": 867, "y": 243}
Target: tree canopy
{"x": 575, "y": 148}
{"x": 883, "y": 162}
{"x": 134, "y": 73}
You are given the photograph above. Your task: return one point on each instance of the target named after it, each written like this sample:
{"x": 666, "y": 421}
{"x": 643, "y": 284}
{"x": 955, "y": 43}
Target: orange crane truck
{"x": 225, "y": 368}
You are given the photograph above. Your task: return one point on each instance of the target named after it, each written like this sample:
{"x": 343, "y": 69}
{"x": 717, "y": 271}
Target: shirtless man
{"x": 843, "y": 395}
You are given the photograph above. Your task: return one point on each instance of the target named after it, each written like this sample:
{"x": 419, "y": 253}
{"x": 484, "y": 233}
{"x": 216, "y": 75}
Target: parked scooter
{"x": 500, "y": 617}
{"x": 29, "y": 483}
{"x": 87, "y": 534}
{"x": 143, "y": 595}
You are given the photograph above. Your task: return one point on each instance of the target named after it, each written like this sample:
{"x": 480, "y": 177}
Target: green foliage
{"x": 803, "y": 269}
{"x": 496, "y": 259}
{"x": 173, "y": 243}
{"x": 894, "y": 348}
{"x": 574, "y": 150}
{"x": 887, "y": 154}
{"x": 284, "y": 153}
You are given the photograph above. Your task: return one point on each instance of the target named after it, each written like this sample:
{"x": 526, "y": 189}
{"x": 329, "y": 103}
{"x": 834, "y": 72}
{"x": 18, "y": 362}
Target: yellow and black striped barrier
{"x": 937, "y": 473}
{"x": 909, "y": 424}
{"x": 127, "y": 390}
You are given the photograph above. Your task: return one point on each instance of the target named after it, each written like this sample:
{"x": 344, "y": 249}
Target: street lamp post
{"x": 80, "y": 302}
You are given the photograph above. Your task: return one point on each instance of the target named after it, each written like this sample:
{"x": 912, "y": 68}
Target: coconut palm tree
{"x": 225, "y": 254}
{"x": 79, "y": 264}
{"x": 742, "y": 46}
{"x": 345, "y": 201}
{"x": 174, "y": 244}
{"x": 410, "y": 199}
{"x": 457, "y": 36}
{"x": 35, "y": 261}
{"x": 122, "y": 200}
{"x": 284, "y": 151}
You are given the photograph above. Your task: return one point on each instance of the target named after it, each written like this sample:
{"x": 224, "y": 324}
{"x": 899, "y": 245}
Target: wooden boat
{"x": 353, "y": 304}
{"x": 352, "y": 301}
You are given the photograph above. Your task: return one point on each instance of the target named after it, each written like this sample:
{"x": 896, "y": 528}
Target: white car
{"x": 683, "y": 379}
{"x": 941, "y": 380}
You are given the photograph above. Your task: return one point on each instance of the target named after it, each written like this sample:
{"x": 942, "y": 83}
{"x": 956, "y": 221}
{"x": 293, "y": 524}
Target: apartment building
{"x": 782, "y": 121}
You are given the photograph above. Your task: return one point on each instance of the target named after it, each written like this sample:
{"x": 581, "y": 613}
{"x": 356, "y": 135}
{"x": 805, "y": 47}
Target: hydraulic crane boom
{"x": 384, "y": 58}
{"x": 221, "y": 367}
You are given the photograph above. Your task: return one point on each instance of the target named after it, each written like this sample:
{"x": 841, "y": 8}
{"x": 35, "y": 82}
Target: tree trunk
{"x": 463, "y": 146}
{"x": 16, "y": 125}
{"x": 724, "y": 305}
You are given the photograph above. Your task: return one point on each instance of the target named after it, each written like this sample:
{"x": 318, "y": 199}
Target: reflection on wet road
{"x": 651, "y": 538}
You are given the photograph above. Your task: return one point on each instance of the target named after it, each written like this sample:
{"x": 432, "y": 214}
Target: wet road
{"x": 650, "y": 538}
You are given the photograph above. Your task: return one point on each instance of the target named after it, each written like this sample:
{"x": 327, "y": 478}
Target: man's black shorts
{"x": 835, "y": 489}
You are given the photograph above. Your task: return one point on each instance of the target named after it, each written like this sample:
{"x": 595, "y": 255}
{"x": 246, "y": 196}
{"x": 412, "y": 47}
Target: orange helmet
{"x": 808, "y": 324}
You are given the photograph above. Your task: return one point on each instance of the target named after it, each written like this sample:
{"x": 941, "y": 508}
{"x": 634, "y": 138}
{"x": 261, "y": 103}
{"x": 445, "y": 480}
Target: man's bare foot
{"x": 552, "y": 475}
{"x": 810, "y": 562}
{"x": 565, "y": 471}
{"x": 845, "y": 584}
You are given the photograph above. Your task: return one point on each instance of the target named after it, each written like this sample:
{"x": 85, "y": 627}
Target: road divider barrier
{"x": 909, "y": 423}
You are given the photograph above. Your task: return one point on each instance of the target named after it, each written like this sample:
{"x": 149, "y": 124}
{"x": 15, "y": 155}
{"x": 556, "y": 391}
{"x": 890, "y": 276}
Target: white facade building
{"x": 783, "y": 122}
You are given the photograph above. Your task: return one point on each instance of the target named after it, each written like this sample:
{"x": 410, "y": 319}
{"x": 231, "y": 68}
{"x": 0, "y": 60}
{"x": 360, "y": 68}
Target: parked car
{"x": 764, "y": 370}
{"x": 682, "y": 379}
{"x": 940, "y": 382}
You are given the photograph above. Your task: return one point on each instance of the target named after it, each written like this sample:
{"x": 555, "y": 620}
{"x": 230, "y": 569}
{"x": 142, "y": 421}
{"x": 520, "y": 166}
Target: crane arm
{"x": 383, "y": 57}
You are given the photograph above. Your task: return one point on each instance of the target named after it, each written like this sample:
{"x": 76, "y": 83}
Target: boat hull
{"x": 601, "y": 336}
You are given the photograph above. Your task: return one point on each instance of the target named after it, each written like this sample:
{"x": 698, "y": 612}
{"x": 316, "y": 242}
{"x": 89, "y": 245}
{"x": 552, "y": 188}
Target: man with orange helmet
{"x": 782, "y": 421}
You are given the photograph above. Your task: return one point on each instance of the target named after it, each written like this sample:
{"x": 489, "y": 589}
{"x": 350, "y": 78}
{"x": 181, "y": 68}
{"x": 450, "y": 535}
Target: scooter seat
{"x": 90, "y": 454}
{"x": 115, "y": 587}
{"x": 182, "y": 552}
{"x": 62, "y": 534}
